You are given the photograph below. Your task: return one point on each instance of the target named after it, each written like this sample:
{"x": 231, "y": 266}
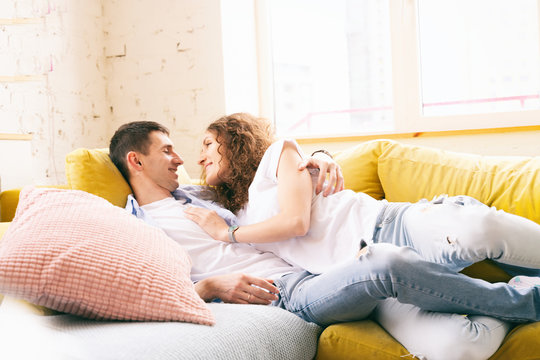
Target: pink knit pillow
{"x": 75, "y": 252}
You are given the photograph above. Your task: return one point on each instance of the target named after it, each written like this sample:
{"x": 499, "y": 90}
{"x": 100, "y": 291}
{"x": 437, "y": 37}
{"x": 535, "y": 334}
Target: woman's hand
{"x": 210, "y": 222}
{"x": 237, "y": 289}
{"x": 327, "y": 166}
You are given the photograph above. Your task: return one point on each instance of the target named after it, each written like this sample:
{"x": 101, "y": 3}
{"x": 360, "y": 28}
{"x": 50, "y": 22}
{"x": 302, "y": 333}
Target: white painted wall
{"x": 14, "y": 153}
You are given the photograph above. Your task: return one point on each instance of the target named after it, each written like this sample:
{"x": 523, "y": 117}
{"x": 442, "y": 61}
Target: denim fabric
{"x": 417, "y": 251}
{"x": 352, "y": 290}
{"x": 459, "y": 231}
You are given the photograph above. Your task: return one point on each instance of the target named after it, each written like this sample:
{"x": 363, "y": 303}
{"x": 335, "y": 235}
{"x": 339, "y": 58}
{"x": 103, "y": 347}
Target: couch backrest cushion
{"x": 359, "y": 165}
{"x": 410, "y": 173}
{"x": 93, "y": 171}
{"x": 74, "y": 252}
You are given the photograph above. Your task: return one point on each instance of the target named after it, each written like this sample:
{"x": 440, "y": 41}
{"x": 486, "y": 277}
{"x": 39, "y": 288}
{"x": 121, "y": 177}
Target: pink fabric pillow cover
{"x": 74, "y": 252}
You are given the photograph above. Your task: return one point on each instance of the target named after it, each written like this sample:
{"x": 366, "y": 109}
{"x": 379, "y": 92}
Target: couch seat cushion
{"x": 358, "y": 340}
{"x": 367, "y": 340}
{"x": 523, "y": 342}
{"x": 241, "y": 332}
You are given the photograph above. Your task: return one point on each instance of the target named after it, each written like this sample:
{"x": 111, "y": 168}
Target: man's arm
{"x": 323, "y": 161}
{"x": 237, "y": 289}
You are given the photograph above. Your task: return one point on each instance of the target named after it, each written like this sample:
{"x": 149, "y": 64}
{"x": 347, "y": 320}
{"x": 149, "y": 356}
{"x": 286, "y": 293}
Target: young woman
{"x": 279, "y": 211}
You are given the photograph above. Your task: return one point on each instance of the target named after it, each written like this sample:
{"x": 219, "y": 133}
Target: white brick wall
{"x": 48, "y": 41}
{"x": 98, "y": 64}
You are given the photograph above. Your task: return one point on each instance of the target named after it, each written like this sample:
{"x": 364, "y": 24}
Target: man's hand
{"x": 209, "y": 221}
{"x": 327, "y": 166}
{"x": 237, "y": 289}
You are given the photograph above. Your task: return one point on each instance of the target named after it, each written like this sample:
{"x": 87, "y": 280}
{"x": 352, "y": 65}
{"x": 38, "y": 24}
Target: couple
{"x": 414, "y": 251}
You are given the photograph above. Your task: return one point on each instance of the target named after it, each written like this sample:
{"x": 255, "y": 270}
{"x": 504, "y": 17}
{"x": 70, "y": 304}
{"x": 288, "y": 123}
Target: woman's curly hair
{"x": 243, "y": 139}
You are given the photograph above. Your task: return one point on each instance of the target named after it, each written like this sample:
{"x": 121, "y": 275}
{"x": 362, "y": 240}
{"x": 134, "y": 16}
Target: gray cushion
{"x": 241, "y": 332}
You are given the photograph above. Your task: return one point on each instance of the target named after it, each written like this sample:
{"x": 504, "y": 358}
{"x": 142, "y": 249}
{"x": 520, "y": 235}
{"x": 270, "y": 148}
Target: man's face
{"x": 161, "y": 162}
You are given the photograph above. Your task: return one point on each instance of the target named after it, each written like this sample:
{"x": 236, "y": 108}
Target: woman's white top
{"x": 338, "y": 222}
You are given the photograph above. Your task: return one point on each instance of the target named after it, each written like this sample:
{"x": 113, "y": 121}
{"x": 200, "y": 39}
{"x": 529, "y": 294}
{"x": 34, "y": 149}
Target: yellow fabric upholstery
{"x": 367, "y": 340}
{"x": 8, "y": 204}
{"x": 487, "y": 270}
{"x": 359, "y": 165}
{"x": 358, "y": 340}
{"x": 93, "y": 171}
{"x": 512, "y": 184}
{"x": 9, "y": 200}
{"x": 410, "y": 173}
{"x": 521, "y": 343}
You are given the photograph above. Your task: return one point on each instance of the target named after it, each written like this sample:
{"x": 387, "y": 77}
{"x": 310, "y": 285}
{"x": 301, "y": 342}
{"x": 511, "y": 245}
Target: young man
{"x": 240, "y": 274}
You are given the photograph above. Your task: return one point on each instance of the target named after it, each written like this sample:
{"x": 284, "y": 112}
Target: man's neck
{"x": 149, "y": 194}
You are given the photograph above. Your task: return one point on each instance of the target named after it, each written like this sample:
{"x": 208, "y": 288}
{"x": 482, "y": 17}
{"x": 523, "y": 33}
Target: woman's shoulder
{"x": 270, "y": 161}
{"x": 280, "y": 145}
{"x": 274, "y": 151}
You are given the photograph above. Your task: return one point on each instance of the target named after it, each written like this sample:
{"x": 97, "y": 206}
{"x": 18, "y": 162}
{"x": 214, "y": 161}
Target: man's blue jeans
{"x": 415, "y": 257}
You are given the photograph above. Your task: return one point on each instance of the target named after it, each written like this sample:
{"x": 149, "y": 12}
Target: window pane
{"x": 331, "y": 66}
{"x": 479, "y": 56}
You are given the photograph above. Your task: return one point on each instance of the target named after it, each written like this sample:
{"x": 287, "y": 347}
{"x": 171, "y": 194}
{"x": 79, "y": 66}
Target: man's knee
{"x": 387, "y": 258}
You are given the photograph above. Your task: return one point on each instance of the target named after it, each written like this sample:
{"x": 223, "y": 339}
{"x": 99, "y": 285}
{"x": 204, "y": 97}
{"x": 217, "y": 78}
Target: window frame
{"x": 406, "y": 85}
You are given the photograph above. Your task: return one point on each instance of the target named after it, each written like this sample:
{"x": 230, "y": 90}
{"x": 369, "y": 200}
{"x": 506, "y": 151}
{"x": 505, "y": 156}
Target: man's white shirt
{"x": 209, "y": 257}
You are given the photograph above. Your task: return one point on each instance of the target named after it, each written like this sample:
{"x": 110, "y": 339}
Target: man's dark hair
{"x": 133, "y": 136}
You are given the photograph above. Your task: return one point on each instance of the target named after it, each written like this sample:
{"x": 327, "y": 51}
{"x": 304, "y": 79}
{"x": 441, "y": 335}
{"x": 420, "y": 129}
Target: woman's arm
{"x": 294, "y": 198}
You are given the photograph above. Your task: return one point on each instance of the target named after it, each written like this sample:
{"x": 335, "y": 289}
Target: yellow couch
{"x": 398, "y": 172}
{"x": 383, "y": 169}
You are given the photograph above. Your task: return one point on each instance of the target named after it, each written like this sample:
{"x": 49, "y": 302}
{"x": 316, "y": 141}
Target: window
{"x": 331, "y": 66}
{"x": 488, "y": 62}
{"x": 347, "y": 67}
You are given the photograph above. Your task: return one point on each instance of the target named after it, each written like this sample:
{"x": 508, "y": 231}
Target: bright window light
{"x": 331, "y": 66}
{"x": 479, "y": 56}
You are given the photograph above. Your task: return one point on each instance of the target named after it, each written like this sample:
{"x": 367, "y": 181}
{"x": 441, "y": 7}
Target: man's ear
{"x": 134, "y": 160}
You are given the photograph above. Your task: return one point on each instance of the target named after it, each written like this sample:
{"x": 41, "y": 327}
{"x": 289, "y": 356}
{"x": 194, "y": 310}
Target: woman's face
{"x": 211, "y": 160}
